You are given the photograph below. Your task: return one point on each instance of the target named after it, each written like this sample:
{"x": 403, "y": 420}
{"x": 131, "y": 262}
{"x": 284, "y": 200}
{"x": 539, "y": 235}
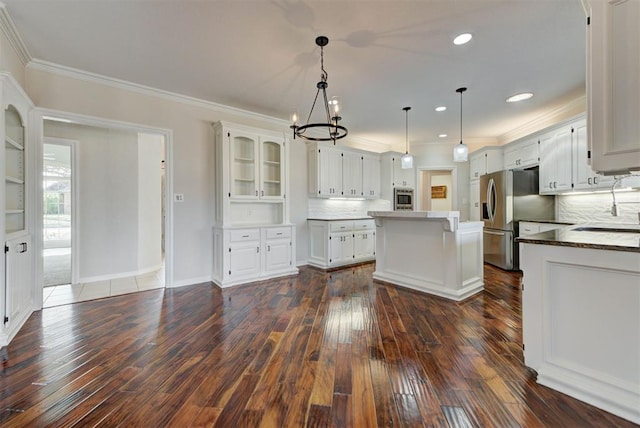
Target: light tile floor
{"x": 73, "y": 293}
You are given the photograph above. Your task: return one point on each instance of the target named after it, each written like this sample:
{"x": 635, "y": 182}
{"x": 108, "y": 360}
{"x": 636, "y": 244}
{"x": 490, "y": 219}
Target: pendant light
{"x": 460, "y": 151}
{"x": 406, "y": 161}
{"x": 332, "y": 109}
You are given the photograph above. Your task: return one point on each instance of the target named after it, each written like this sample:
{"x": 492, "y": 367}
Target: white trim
{"x": 13, "y": 36}
{"x": 191, "y": 281}
{"x": 454, "y": 188}
{"x": 572, "y": 108}
{"x": 141, "y": 272}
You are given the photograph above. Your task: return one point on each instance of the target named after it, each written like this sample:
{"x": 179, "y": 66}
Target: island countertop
{"x": 449, "y": 218}
{"x": 608, "y": 237}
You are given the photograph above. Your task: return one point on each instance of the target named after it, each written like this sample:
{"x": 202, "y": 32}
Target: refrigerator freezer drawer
{"x": 498, "y": 248}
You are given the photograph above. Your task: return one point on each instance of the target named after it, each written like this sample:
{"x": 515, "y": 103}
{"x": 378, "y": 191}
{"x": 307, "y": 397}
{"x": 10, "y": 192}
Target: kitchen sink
{"x": 606, "y": 229}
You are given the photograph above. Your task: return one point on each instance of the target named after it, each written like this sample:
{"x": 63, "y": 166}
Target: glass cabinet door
{"x": 272, "y": 170}
{"x": 244, "y": 166}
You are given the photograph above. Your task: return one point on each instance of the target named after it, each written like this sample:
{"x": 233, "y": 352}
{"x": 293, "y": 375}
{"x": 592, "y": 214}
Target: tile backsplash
{"x": 340, "y": 208}
{"x": 596, "y": 207}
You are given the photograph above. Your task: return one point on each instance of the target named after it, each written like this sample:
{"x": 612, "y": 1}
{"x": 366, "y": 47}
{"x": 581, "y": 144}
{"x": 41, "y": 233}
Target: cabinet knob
{"x": 589, "y": 180}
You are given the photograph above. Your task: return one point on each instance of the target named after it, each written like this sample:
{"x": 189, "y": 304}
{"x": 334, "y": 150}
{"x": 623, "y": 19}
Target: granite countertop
{"x": 564, "y": 223}
{"x": 609, "y": 237}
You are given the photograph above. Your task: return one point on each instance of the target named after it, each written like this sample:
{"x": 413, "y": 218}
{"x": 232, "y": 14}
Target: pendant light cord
{"x": 406, "y": 127}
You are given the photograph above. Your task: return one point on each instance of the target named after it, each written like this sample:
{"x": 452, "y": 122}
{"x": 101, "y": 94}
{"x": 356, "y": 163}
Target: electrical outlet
{"x": 178, "y": 197}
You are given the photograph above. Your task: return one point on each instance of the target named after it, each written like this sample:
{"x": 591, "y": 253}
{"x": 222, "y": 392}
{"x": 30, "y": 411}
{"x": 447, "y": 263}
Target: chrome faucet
{"x": 614, "y": 207}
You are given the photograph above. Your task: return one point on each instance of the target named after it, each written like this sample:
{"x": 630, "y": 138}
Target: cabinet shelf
{"x": 268, "y": 162}
{"x": 13, "y": 144}
{"x": 245, "y": 180}
{"x": 244, "y": 160}
{"x": 9, "y": 212}
{"x": 13, "y": 180}
{"x": 272, "y": 181}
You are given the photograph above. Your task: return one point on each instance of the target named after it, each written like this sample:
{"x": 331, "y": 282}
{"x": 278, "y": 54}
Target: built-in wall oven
{"x": 403, "y": 199}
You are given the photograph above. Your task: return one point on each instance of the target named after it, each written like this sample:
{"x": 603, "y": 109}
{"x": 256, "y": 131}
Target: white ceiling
{"x": 382, "y": 56}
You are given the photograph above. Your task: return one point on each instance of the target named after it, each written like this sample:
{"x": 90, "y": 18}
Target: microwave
{"x": 402, "y": 199}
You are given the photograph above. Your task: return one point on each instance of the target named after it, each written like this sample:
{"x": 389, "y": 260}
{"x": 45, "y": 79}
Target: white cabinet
{"x": 254, "y": 254}
{"x": 352, "y": 174}
{"x": 521, "y": 154}
{"x": 341, "y": 242}
{"x": 485, "y": 161}
{"x": 342, "y": 173}
{"x": 278, "y": 249}
{"x": 613, "y": 85}
{"x": 527, "y": 228}
{"x": 555, "y": 160}
{"x": 253, "y": 239}
{"x": 16, "y": 271}
{"x": 392, "y": 175}
{"x": 371, "y": 176}
{"x": 584, "y": 177}
{"x": 256, "y": 170}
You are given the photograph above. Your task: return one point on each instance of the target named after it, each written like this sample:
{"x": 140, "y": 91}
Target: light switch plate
{"x": 178, "y": 197}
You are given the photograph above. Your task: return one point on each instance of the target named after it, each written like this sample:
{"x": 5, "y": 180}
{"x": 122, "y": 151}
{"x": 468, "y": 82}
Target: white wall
{"x": 107, "y": 198}
{"x": 150, "y": 157}
{"x": 442, "y": 179}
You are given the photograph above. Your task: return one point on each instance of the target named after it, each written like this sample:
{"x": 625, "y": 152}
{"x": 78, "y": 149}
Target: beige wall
{"x": 192, "y": 153}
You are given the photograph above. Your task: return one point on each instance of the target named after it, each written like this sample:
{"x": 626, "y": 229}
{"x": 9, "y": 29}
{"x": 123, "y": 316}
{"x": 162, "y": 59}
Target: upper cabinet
{"x": 342, "y": 172}
{"x": 251, "y": 176}
{"x": 523, "y": 154}
{"x": 613, "y": 85}
{"x": 555, "y": 160}
{"x": 256, "y": 170}
{"x": 485, "y": 161}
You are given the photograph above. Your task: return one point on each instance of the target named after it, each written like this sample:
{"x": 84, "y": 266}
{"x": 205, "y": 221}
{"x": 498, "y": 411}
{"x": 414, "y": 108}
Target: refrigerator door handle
{"x": 491, "y": 200}
{"x": 494, "y": 233}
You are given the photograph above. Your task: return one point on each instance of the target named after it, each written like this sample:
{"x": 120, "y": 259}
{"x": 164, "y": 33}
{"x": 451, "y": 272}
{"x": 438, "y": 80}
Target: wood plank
{"x": 318, "y": 349}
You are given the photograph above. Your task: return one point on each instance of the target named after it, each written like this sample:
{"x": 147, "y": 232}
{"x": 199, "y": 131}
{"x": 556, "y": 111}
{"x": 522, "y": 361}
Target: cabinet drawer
{"x": 242, "y": 235}
{"x": 278, "y": 232}
{"x": 340, "y": 226}
{"x": 364, "y": 224}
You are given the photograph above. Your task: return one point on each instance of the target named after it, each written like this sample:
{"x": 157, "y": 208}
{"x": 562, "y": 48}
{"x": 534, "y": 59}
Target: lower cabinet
{"x": 18, "y": 299}
{"x": 244, "y": 255}
{"x": 341, "y": 242}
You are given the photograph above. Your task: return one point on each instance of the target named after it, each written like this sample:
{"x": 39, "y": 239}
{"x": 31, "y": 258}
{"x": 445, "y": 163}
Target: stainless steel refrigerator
{"x": 507, "y": 197}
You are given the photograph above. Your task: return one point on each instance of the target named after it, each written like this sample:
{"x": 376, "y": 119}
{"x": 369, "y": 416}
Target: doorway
{"x": 57, "y": 214}
{"x": 123, "y": 173}
{"x": 436, "y": 191}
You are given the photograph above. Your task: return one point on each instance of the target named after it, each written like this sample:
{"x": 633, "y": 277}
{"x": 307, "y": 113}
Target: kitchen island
{"x": 581, "y": 313}
{"x": 429, "y": 251}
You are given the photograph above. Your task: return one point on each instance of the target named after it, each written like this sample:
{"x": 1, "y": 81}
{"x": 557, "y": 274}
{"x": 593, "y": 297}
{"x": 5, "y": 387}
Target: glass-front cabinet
{"x": 256, "y": 166}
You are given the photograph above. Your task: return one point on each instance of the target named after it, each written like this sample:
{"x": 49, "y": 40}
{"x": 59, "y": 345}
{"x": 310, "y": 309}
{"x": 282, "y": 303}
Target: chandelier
{"x": 334, "y": 131}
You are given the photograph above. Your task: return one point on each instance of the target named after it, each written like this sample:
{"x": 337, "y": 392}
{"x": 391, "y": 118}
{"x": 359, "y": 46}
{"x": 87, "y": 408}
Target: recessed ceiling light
{"x": 442, "y": 135}
{"x": 519, "y": 97}
{"x": 462, "y": 39}
{"x": 441, "y": 108}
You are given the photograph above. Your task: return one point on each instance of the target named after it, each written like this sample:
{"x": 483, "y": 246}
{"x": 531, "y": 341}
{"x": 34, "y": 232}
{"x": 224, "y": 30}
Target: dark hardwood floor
{"x": 319, "y": 349}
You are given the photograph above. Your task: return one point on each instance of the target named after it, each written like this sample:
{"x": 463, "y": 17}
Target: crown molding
{"x": 11, "y": 33}
{"x": 552, "y": 117}
{"x": 73, "y": 73}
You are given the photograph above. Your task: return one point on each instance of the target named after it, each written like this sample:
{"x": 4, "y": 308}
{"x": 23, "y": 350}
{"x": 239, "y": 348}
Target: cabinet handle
{"x": 262, "y": 193}
{"x": 23, "y": 247}
{"x": 595, "y": 180}
{"x": 245, "y": 236}
{"x": 555, "y": 184}
{"x": 279, "y": 233}
{"x": 269, "y": 248}
{"x": 551, "y": 185}
{"x": 589, "y": 180}
{"x": 257, "y": 249}
{"x": 256, "y": 193}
